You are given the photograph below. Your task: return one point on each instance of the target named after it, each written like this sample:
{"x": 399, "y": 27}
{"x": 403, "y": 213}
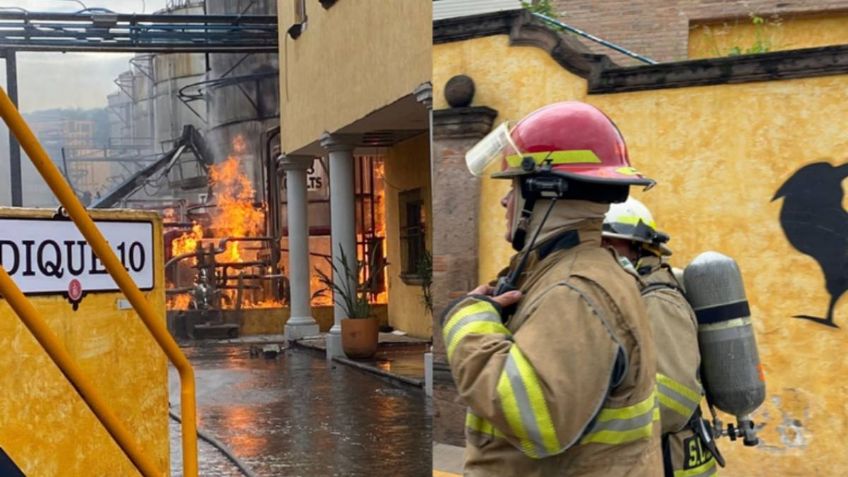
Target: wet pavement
{"x": 399, "y": 356}
{"x": 297, "y": 415}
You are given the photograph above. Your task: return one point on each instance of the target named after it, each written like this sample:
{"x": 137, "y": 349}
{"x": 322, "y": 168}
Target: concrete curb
{"x": 403, "y": 379}
{"x": 364, "y": 367}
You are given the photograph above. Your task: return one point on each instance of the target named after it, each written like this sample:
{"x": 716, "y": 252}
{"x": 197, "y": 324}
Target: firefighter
{"x": 630, "y": 229}
{"x": 558, "y": 374}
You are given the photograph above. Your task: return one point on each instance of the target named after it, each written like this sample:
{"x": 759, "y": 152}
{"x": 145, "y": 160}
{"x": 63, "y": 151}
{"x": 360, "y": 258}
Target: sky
{"x": 56, "y": 80}
{"x": 70, "y": 80}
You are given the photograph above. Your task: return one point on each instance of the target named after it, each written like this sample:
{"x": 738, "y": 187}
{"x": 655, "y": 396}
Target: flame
{"x": 380, "y": 199}
{"x": 235, "y": 215}
{"x": 380, "y": 221}
{"x": 325, "y": 298}
{"x": 187, "y": 242}
{"x": 239, "y": 144}
{"x": 179, "y": 302}
{"x": 169, "y": 214}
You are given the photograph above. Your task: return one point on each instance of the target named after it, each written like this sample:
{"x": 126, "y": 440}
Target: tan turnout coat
{"x": 567, "y": 386}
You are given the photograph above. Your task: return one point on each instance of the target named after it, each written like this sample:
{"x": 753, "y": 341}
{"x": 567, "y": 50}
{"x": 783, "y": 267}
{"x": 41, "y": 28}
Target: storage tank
{"x": 172, "y": 72}
{"x": 242, "y": 96}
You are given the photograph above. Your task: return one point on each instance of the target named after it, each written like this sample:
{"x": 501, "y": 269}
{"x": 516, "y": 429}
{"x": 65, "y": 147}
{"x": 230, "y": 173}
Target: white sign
{"x": 51, "y": 256}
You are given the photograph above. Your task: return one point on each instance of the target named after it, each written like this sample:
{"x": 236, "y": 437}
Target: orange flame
{"x": 169, "y": 214}
{"x": 179, "y": 302}
{"x": 187, "y": 242}
{"x": 380, "y": 219}
{"x": 380, "y": 198}
{"x": 235, "y": 215}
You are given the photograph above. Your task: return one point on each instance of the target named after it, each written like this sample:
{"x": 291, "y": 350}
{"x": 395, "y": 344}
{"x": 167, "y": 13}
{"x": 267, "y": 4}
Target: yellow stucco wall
{"x": 44, "y": 426}
{"x": 709, "y": 40}
{"x": 513, "y": 92}
{"x": 407, "y": 167}
{"x": 719, "y": 153}
{"x": 353, "y": 59}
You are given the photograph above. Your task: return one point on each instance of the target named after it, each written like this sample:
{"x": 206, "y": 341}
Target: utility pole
{"x": 14, "y": 147}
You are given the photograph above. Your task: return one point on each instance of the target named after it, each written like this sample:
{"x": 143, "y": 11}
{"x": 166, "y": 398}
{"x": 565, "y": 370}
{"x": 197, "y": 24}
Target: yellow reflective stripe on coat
{"x": 676, "y": 396}
{"x": 480, "y": 425}
{"x": 480, "y": 306}
{"x": 625, "y": 424}
{"x": 577, "y": 156}
{"x": 525, "y": 408}
{"x": 703, "y": 470}
{"x": 480, "y": 317}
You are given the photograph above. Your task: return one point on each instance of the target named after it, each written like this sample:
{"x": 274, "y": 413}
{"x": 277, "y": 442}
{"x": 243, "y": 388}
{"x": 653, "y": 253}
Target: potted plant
{"x": 360, "y": 328}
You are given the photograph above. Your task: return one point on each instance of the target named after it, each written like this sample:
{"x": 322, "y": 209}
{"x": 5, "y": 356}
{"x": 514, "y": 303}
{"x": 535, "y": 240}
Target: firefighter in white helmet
{"x": 564, "y": 384}
{"x": 630, "y": 229}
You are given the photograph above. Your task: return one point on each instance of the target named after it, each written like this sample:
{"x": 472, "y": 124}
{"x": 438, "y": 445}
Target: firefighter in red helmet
{"x": 556, "y": 361}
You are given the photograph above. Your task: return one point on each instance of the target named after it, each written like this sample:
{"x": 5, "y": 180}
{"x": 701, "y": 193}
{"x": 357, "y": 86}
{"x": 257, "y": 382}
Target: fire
{"x": 187, "y": 242}
{"x": 380, "y": 220}
{"x": 380, "y": 199}
{"x": 169, "y": 215}
{"x": 235, "y": 215}
{"x": 179, "y": 302}
{"x": 325, "y": 298}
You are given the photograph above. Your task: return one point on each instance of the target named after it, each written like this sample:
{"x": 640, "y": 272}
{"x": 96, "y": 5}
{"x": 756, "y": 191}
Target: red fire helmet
{"x": 576, "y": 139}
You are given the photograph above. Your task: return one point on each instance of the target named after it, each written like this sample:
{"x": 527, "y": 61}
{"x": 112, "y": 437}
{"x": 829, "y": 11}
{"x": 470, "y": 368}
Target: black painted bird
{"x": 816, "y": 224}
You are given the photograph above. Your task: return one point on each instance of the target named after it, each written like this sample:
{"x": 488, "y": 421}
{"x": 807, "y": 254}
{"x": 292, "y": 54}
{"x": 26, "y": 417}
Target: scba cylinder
{"x": 730, "y": 364}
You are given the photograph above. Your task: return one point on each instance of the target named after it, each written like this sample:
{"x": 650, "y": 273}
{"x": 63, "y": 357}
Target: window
{"x": 412, "y": 237}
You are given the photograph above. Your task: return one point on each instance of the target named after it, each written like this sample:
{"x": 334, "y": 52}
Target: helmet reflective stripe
{"x": 630, "y": 220}
{"x": 555, "y": 157}
{"x": 581, "y": 141}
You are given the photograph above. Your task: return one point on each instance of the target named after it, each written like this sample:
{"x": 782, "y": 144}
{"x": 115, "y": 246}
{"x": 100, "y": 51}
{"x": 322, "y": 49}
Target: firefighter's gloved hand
{"x": 505, "y": 302}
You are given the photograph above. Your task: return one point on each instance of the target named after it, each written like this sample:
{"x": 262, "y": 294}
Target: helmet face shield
{"x": 498, "y": 145}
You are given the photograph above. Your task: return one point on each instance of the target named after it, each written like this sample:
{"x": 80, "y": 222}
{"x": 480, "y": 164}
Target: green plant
{"x": 761, "y": 43}
{"x": 542, "y": 7}
{"x": 352, "y": 293}
{"x": 425, "y": 271}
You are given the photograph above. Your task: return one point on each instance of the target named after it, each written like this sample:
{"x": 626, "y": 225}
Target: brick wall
{"x": 659, "y": 29}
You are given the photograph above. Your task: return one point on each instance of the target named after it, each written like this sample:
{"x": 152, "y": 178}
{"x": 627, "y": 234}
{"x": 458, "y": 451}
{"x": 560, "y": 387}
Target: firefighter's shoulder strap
{"x": 661, "y": 285}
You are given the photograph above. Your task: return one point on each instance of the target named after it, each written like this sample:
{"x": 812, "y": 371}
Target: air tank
{"x": 730, "y": 364}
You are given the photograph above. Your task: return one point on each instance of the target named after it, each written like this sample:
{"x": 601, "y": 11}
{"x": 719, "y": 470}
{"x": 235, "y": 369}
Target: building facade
{"x": 354, "y": 83}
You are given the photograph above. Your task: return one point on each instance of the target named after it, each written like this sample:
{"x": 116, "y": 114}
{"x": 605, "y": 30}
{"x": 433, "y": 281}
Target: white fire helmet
{"x": 631, "y": 220}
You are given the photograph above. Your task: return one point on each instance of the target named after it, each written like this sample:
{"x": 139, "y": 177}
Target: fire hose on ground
{"x": 220, "y": 446}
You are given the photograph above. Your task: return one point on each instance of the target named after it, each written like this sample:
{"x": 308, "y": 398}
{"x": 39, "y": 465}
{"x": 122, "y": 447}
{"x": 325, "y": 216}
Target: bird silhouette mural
{"x": 816, "y": 224}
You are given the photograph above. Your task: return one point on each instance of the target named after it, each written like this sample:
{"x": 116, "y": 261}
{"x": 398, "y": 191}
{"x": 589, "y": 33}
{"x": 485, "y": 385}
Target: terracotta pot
{"x": 359, "y": 337}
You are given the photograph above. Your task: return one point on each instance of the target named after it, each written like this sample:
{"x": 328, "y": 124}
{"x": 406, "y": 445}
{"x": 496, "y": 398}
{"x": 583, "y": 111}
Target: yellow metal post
{"x": 60, "y": 356}
{"x": 107, "y": 256}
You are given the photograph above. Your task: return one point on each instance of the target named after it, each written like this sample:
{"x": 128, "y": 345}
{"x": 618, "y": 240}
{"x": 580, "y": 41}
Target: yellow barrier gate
{"x": 115, "y": 268}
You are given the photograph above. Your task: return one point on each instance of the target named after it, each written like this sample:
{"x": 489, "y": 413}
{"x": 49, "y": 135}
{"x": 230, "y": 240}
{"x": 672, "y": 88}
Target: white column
{"x": 342, "y": 223}
{"x": 301, "y": 323}
{"x": 424, "y": 95}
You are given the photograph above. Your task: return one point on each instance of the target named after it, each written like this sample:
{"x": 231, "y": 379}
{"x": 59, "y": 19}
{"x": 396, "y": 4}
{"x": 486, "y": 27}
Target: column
{"x": 455, "y": 130}
{"x": 14, "y": 147}
{"x": 424, "y": 95}
{"x": 342, "y": 223}
{"x": 301, "y": 323}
